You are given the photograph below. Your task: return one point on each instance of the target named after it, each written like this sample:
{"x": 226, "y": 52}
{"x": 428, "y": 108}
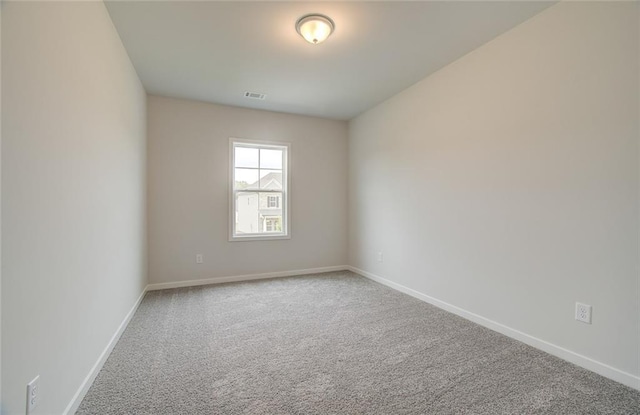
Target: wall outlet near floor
{"x": 199, "y": 259}
{"x": 380, "y": 257}
{"x": 33, "y": 394}
{"x": 583, "y": 313}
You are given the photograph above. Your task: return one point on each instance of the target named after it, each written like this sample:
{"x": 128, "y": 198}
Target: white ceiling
{"x": 215, "y": 51}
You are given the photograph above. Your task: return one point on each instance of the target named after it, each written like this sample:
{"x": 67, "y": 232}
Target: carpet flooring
{"x": 333, "y": 343}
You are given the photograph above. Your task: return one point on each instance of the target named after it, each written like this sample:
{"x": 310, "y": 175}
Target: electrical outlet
{"x": 583, "y": 313}
{"x": 199, "y": 259}
{"x": 380, "y": 257}
{"x": 33, "y": 394}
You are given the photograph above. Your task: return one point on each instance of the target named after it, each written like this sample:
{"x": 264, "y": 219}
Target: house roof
{"x": 273, "y": 176}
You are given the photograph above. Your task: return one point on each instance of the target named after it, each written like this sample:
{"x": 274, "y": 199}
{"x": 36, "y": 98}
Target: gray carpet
{"x": 331, "y": 343}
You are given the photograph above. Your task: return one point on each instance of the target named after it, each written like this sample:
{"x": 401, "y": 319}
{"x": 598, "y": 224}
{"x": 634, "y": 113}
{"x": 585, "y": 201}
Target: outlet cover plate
{"x": 583, "y": 313}
{"x": 33, "y": 394}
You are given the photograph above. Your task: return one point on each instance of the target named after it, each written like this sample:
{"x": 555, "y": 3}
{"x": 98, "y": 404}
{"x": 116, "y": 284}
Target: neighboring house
{"x": 260, "y": 212}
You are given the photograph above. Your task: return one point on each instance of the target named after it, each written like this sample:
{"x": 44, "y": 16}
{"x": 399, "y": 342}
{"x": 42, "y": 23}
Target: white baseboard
{"x": 248, "y": 277}
{"x": 86, "y": 384}
{"x": 583, "y": 361}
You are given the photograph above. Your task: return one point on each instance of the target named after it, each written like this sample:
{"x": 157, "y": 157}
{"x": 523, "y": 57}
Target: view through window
{"x": 259, "y": 190}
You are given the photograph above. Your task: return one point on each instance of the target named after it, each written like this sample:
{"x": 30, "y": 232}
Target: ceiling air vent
{"x": 254, "y": 95}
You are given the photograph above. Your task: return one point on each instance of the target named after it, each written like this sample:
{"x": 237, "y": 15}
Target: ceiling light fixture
{"x": 315, "y": 28}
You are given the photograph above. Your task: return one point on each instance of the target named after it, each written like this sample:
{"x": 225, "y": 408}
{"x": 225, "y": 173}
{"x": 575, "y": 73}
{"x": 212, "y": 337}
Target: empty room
{"x": 261, "y": 207}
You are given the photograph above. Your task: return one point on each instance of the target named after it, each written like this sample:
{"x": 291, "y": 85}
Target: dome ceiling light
{"x": 315, "y": 28}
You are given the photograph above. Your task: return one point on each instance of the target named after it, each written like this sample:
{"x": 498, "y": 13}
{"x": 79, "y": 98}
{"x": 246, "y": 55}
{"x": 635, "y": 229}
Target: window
{"x": 273, "y": 201}
{"x": 259, "y": 190}
{"x": 273, "y": 224}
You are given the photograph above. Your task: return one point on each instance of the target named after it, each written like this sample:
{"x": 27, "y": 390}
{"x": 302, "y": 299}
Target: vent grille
{"x": 254, "y": 95}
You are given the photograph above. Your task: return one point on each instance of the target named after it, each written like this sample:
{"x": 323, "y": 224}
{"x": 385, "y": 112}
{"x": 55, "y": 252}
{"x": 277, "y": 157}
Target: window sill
{"x": 258, "y": 238}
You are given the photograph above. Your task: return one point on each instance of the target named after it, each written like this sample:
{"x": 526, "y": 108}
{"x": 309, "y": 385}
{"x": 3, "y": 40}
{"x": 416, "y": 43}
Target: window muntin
{"x": 259, "y": 190}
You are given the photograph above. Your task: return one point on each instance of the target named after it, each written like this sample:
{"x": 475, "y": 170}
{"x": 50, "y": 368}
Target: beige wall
{"x": 73, "y": 202}
{"x": 506, "y": 184}
{"x": 188, "y": 151}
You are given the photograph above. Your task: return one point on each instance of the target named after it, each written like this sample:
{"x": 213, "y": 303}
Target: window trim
{"x": 286, "y": 193}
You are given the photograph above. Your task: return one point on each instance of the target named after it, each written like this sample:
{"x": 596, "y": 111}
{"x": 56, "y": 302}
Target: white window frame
{"x": 285, "y": 201}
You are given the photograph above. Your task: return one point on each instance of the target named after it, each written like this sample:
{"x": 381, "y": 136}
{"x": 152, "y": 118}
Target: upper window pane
{"x": 246, "y": 157}
{"x": 270, "y": 159}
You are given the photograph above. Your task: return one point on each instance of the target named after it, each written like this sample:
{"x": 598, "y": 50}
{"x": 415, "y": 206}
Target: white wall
{"x": 188, "y": 158}
{"x": 73, "y": 203}
{"x": 506, "y": 184}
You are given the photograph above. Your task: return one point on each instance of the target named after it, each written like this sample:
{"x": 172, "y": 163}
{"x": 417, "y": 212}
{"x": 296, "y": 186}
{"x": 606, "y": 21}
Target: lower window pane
{"x": 258, "y": 212}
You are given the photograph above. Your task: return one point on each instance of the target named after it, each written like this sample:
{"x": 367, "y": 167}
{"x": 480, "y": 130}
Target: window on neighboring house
{"x": 272, "y": 224}
{"x": 259, "y": 190}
